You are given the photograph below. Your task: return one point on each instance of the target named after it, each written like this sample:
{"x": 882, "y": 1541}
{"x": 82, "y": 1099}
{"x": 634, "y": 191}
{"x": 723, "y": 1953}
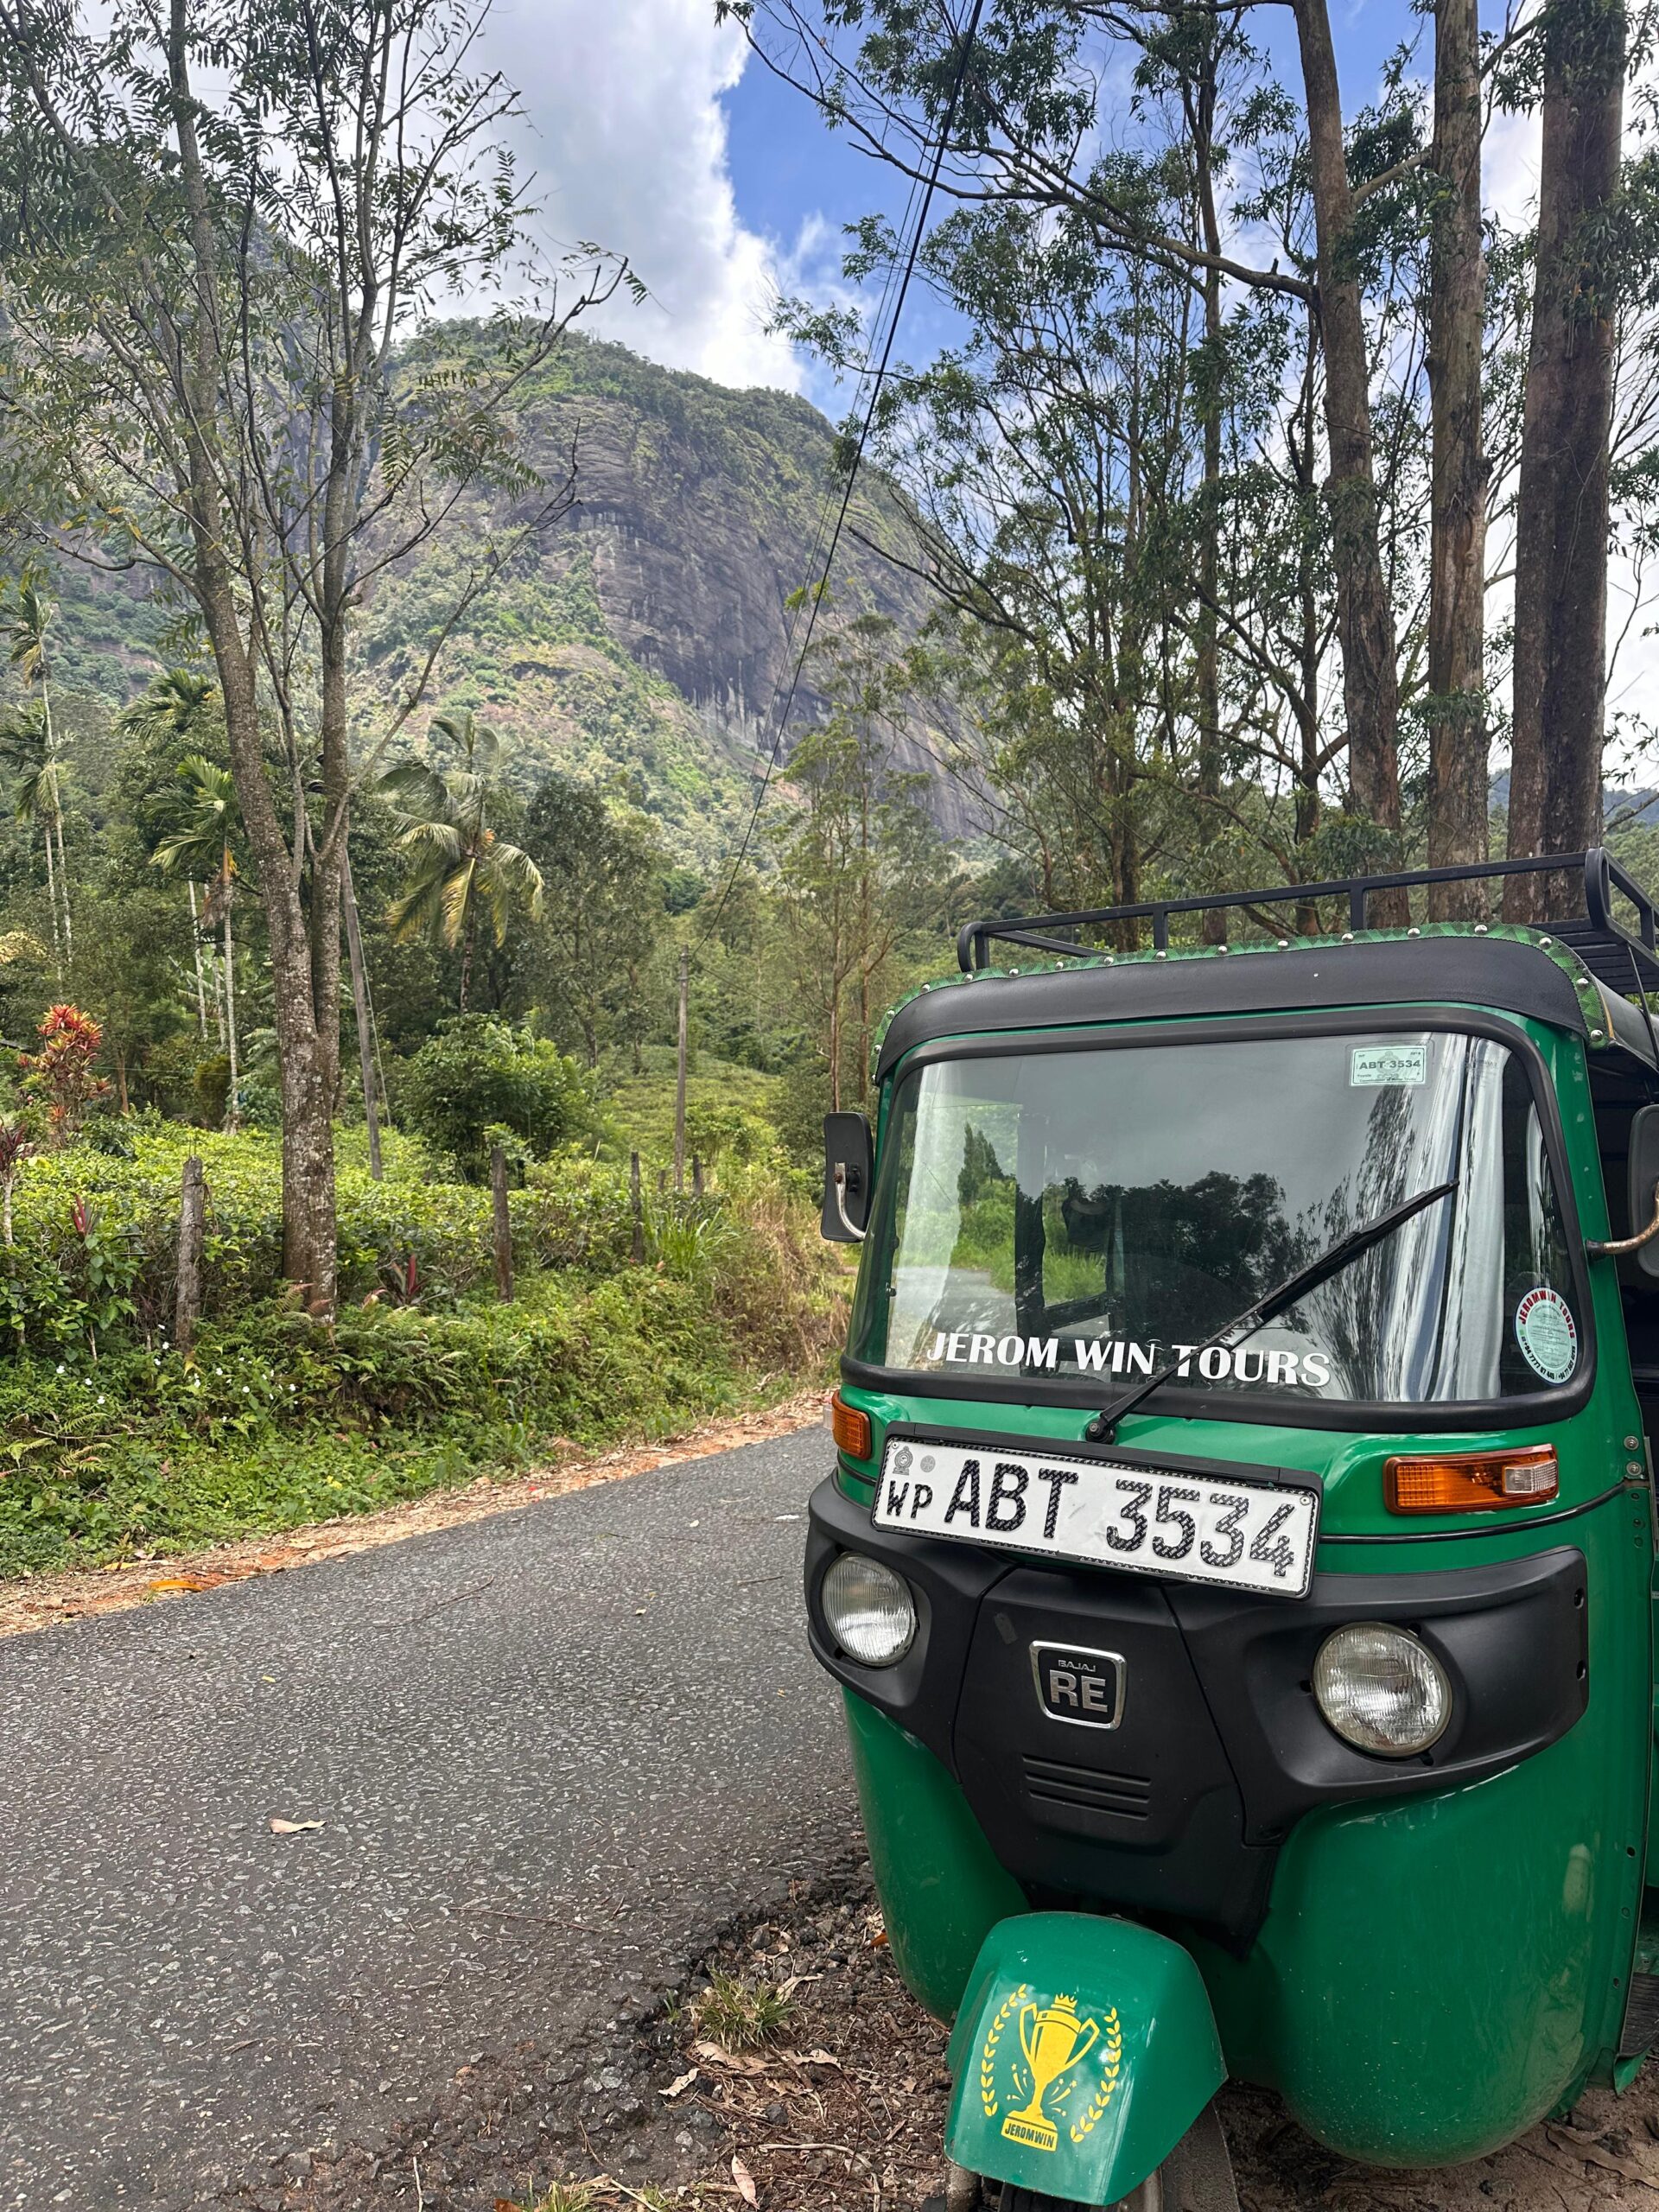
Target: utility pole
{"x": 679, "y": 1085}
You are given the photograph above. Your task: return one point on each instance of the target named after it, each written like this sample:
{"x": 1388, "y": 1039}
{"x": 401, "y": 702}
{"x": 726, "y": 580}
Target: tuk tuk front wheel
{"x": 1196, "y": 2177}
{"x": 1149, "y": 2197}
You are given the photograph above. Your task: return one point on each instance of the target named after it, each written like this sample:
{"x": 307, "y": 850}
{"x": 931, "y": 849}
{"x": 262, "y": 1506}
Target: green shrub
{"x": 479, "y": 1074}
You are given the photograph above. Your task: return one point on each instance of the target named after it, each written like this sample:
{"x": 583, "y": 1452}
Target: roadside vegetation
{"x": 115, "y": 1442}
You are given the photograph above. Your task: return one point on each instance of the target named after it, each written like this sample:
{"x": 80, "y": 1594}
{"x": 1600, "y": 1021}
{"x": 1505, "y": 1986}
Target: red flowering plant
{"x": 62, "y": 1072}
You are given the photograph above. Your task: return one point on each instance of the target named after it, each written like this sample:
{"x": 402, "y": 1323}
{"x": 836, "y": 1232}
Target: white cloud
{"x": 627, "y": 137}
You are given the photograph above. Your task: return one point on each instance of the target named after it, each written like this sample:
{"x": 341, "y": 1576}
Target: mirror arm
{"x": 1610, "y": 1251}
{"x": 858, "y": 1234}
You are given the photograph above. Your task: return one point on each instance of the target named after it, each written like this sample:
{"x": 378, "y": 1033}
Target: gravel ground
{"x": 842, "y": 2111}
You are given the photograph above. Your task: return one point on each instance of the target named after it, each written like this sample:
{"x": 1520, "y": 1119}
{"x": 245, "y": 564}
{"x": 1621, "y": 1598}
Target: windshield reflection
{"x": 1099, "y": 1211}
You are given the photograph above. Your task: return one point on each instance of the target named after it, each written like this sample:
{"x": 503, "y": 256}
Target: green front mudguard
{"x": 1084, "y": 2051}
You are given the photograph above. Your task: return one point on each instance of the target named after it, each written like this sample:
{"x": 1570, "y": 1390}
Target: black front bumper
{"x": 1178, "y": 1812}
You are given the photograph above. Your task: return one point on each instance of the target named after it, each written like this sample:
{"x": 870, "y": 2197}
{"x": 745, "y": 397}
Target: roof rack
{"x": 1626, "y": 961}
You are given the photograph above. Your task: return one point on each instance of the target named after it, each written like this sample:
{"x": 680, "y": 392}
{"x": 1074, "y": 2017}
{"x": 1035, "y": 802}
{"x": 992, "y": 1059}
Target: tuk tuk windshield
{"x": 1087, "y": 1213}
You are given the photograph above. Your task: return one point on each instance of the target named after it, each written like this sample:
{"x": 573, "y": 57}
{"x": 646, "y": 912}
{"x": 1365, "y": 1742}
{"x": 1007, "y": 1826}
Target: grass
{"x": 739, "y": 2015}
{"x": 558, "y": 2197}
{"x": 276, "y": 1424}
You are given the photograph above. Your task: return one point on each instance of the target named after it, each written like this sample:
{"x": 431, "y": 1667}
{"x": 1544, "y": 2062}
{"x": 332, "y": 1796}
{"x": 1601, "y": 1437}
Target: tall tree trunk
{"x": 466, "y": 955}
{"x": 361, "y": 1015}
{"x": 305, "y": 1060}
{"x": 63, "y": 881}
{"x": 1206, "y": 650}
{"x": 1364, "y": 616}
{"x": 1458, "y": 802}
{"x": 232, "y": 1113}
{"x": 196, "y": 947}
{"x": 57, "y": 878}
{"x": 52, "y": 899}
{"x": 1562, "y": 517}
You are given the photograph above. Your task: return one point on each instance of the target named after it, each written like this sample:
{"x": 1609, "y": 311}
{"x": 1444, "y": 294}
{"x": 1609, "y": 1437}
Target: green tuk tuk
{"x": 1239, "y": 1558}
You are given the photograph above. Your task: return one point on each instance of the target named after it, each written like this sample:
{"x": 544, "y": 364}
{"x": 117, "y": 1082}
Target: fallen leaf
{"x": 1596, "y": 2154}
{"x": 294, "y": 1827}
{"x": 715, "y": 2054}
{"x": 821, "y": 2058}
{"x": 745, "y": 2180}
{"x": 681, "y": 2082}
{"x": 183, "y": 1582}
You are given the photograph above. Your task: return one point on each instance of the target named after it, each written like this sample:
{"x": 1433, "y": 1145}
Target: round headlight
{"x": 870, "y": 1611}
{"x": 1381, "y": 1690}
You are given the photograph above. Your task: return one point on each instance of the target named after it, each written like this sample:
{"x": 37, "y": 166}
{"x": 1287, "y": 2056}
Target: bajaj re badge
{"x": 1055, "y": 2043}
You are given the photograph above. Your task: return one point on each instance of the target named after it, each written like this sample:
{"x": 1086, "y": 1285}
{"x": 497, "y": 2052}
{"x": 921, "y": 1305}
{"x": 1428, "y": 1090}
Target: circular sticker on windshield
{"x": 1547, "y": 1335}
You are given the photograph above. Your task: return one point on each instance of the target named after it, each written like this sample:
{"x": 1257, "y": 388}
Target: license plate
{"x": 1187, "y": 1528}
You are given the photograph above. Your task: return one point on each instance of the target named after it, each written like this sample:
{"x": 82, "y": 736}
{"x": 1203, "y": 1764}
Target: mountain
{"x": 641, "y": 638}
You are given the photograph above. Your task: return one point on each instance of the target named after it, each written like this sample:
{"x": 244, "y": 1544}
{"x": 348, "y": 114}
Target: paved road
{"x": 550, "y": 1750}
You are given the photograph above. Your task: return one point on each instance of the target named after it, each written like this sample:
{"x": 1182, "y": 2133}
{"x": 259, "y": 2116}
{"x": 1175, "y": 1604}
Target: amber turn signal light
{"x": 1472, "y": 1482}
{"x": 851, "y": 1429}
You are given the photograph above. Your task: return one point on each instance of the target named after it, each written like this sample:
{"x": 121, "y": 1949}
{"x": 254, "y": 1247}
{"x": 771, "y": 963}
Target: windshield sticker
{"x": 1374, "y": 1065}
{"x": 1547, "y": 1335}
{"x": 1279, "y": 1371}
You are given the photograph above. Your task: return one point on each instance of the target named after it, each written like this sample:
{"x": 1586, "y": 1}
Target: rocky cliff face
{"x": 649, "y": 636}
{"x": 643, "y": 639}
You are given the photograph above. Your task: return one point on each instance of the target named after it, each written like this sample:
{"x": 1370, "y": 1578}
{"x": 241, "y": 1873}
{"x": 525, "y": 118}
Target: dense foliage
{"x": 112, "y": 1441}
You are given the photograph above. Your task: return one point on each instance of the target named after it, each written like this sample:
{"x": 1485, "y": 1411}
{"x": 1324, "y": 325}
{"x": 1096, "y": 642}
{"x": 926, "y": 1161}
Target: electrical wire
{"x": 816, "y": 601}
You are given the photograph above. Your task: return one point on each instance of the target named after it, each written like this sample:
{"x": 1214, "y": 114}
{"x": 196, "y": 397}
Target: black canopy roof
{"x": 1515, "y": 974}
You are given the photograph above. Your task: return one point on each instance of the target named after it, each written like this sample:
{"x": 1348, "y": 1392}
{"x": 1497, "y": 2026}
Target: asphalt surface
{"x": 550, "y": 1751}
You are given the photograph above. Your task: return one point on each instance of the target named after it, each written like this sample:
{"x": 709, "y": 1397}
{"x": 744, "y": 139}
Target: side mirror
{"x": 1644, "y": 1186}
{"x": 848, "y": 1172}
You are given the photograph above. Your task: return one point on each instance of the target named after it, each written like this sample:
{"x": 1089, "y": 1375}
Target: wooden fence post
{"x": 503, "y": 1224}
{"x": 193, "y": 1220}
{"x": 637, "y": 1253}
{"x": 696, "y": 1177}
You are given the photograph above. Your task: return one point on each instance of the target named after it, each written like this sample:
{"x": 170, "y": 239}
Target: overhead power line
{"x": 821, "y": 588}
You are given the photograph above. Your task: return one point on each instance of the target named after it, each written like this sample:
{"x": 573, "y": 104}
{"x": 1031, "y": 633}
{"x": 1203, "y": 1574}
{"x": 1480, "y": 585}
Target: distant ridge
{"x": 638, "y": 645}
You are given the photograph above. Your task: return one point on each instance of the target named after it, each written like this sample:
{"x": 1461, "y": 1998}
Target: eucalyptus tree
{"x": 1580, "y": 55}
{"x": 224, "y": 228}
{"x": 853, "y": 850}
{"x": 1392, "y": 285}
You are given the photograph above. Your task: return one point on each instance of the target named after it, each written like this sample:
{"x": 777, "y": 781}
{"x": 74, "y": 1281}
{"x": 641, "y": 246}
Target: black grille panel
{"x": 1052, "y": 1782}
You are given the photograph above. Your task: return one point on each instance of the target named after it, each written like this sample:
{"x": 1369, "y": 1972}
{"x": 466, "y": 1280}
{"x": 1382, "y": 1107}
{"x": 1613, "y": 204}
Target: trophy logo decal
{"x": 1055, "y": 2041}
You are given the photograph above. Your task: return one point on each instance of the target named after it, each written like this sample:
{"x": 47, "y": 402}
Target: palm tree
{"x": 461, "y": 873}
{"x": 32, "y": 746}
{"x": 201, "y": 852}
{"x": 181, "y": 703}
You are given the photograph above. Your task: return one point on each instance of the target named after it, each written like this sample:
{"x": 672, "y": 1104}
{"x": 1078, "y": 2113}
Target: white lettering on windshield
{"x": 1252, "y": 1364}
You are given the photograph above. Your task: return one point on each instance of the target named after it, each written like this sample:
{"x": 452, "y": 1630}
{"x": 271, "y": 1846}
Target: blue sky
{"x": 657, "y": 134}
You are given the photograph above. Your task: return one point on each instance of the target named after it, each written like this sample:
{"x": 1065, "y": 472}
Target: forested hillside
{"x": 636, "y": 641}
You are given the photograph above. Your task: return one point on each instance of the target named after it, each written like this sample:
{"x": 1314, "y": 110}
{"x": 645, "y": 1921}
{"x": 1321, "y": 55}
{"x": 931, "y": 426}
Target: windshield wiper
{"x": 1329, "y": 1262}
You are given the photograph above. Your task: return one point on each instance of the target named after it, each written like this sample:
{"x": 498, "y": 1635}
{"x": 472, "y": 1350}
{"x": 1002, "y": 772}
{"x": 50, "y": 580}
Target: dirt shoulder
{"x": 42, "y": 1601}
{"x": 843, "y": 2110}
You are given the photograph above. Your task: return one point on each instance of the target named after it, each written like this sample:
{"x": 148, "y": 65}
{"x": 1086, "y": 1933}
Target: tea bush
{"x": 111, "y": 1443}
{"x": 479, "y": 1080}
